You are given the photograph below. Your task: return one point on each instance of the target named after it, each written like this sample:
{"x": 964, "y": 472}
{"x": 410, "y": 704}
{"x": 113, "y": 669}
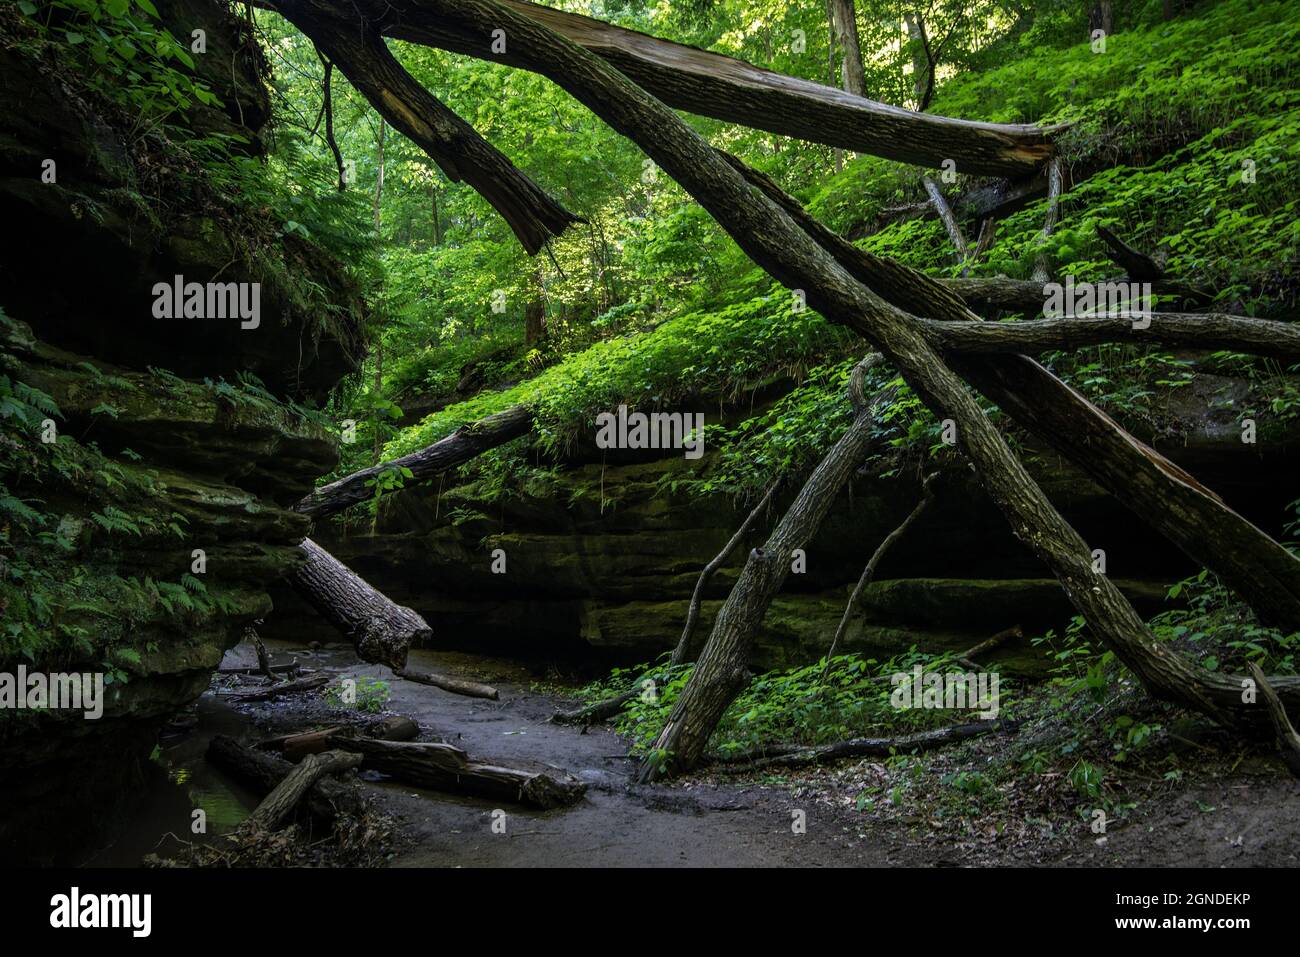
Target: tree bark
{"x": 381, "y": 630}
{"x": 711, "y": 84}
{"x": 261, "y": 772}
{"x": 774, "y": 242}
{"x": 844, "y": 26}
{"x": 442, "y": 767}
{"x": 471, "y": 689}
{"x": 1261, "y": 337}
{"x": 722, "y": 669}
{"x": 797, "y": 756}
{"x": 946, "y": 217}
{"x": 359, "y": 51}
{"x": 466, "y": 443}
{"x": 284, "y": 797}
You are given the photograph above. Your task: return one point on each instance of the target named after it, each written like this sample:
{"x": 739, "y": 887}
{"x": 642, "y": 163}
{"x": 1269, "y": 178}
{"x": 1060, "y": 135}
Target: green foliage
{"x": 371, "y": 694}
{"x": 126, "y": 54}
{"x": 799, "y": 706}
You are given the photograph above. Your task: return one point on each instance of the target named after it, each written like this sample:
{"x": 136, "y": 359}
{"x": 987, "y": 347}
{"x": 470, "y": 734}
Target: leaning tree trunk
{"x": 381, "y": 629}
{"x": 706, "y": 83}
{"x": 777, "y": 244}
{"x": 461, "y": 446}
{"x": 723, "y": 668}
{"x": 360, "y": 52}
{"x": 1191, "y": 516}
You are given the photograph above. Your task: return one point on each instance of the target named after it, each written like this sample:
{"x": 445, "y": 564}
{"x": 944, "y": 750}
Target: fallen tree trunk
{"x": 776, "y": 243}
{"x": 442, "y": 767}
{"x": 1288, "y": 741}
{"x": 728, "y": 89}
{"x": 299, "y": 686}
{"x": 722, "y": 669}
{"x": 261, "y": 772}
{"x": 284, "y": 797}
{"x": 684, "y": 651}
{"x": 797, "y": 756}
{"x": 1262, "y": 337}
{"x": 471, "y": 689}
{"x": 359, "y": 51}
{"x": 1161, "y": 493}
{"x": 296, "y": 746}
{"x": 380, "y": 629}
{"x": 461, "y": 446}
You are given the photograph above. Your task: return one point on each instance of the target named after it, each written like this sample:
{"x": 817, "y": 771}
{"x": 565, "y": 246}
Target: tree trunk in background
{"x": 844, "y": 27}
{"x": 437, "y": 217}
{"x": 1100, "y": 18}
{"x": 381, "y": 629}
{"x": 917, "y": 42}
{"x": 378, "y": 387}
{"x": 535, "y": 312}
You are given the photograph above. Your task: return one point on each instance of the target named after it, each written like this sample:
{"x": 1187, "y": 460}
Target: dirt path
{"x": 614, "y": 826}
{"x": 1240, "y": 819}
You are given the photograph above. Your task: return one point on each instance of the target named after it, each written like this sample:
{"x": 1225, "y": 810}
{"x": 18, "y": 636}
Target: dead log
{"x": 1161, "y": 493}
{"x": 261, "y": 772}
{"x": 290, "y": 668}
{"x": 946, "y": 217}
{"x": 380, "y": 629}
{"x": 1288, "y": 741}
{"x": 723, "y": 662}
{"x": 471, "y": 689}
{"x": 466, "y": 443}
{"x": 1261, "y": 337}
{"x": 284, "y": 797}
{"x": 728, "y": 89}
{"x": 294, "y": 746}
{"x": 1137, "y": 265}
{"x": 607, "y": 708}
{"x": 299, "y": 686}
{"x": 443, "y": 767}
{"x": 1054, "y": 183}
{"x": 356, "y": 48}
{"x": 797, "y": 756}
{"x": 968, "y": 656}
{"x": 774, "y": 242}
